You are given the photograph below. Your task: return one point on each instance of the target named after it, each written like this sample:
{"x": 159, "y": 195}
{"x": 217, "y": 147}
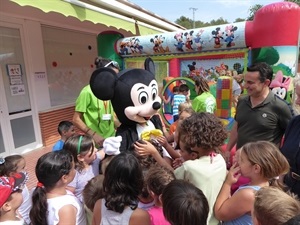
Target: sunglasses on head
{"x": 113, "y": 64}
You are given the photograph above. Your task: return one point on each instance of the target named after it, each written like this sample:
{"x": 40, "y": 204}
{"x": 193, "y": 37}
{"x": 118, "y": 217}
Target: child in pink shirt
{"x": 157, "y": 179}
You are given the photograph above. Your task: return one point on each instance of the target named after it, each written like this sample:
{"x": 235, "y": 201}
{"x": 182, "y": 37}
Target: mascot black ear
{"x": 103, "y": 82}
{"x": 149, "y": 65}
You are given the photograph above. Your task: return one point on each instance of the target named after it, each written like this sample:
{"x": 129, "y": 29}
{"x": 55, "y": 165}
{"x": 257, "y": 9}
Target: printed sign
{"x": 17, "y": 90}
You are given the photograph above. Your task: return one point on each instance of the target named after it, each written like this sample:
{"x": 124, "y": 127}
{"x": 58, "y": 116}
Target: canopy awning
{"x": 85, "y": 12}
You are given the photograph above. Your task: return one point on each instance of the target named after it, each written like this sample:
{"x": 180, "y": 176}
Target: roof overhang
{"x": 84, "y": 11}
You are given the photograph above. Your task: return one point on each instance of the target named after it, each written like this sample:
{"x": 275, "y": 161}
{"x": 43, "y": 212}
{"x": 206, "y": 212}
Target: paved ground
{"x": 31, "y": 159}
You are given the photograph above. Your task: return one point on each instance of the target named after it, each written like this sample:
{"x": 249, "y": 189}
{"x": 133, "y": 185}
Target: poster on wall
{"x": 15, "y": 80}
{"x": 17, "y": 90}
{"x": 14, "y": 72}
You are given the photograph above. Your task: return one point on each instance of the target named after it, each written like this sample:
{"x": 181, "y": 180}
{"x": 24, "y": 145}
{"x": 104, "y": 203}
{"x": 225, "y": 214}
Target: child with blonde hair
{"x": 293, "y": 221}
{"x": 182, "y": 106}
{"x": 262, "y": 163}
{"x": 273, "y": 206}
{"x": 185, "y": 110}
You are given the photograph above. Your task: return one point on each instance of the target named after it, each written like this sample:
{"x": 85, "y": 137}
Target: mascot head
{"x": 133, "y": 92}
{"x": 280, "y": 85}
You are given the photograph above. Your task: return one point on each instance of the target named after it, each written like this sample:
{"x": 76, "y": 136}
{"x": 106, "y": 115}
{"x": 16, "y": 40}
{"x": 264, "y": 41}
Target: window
{"x": 70, "y": 59}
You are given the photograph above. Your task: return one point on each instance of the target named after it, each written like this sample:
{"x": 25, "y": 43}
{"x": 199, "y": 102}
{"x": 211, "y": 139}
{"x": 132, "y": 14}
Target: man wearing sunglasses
{"x": 92, "y": 115}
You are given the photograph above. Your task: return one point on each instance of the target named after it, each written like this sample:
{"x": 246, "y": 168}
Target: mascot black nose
{"x": 156, "y": 105}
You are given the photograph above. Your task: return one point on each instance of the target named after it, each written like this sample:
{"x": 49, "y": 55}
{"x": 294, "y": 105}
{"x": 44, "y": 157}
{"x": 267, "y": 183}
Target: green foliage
{"x": 201, "y": 24}
{"x": 218, "y": 22}
{"x": 185, "y": 22}
{"x": 188, "y": 23}
{"x": 239, "y": 20}
{"x": 295, "y": 1}
{"x": 252, "y": 10}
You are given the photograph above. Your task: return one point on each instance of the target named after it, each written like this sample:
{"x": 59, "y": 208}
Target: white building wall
{"x": 37, "y": 66}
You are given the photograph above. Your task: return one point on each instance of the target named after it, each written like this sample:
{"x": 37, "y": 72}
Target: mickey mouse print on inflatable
{"x": 280, "y": 85}
{"x": 134, "y": 97}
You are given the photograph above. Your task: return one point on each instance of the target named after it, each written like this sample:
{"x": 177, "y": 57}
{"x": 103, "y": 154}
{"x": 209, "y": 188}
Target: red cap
{"x": 11, "y": 184}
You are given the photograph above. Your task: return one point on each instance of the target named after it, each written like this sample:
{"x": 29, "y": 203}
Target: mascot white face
{"x": 145, "y": 102}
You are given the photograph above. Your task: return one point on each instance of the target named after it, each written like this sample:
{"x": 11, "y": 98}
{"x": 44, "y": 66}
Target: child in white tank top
{"x": 54, "y": 171}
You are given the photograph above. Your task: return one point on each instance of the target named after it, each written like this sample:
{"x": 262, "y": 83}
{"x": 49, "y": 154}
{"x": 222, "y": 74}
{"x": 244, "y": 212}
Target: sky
{"x": 207, "y": 10}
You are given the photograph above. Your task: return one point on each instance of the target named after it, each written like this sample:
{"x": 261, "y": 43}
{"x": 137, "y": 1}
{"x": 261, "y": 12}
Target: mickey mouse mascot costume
{"x": 134, "y": 97}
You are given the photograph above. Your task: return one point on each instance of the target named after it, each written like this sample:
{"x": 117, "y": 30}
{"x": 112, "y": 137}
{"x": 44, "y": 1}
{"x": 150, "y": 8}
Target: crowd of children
{"x": 195, "y": 189}
{"x": 181, "y": 178}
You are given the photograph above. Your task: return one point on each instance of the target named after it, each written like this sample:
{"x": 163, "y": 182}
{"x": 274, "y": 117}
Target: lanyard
{"x": 106, "y": 105}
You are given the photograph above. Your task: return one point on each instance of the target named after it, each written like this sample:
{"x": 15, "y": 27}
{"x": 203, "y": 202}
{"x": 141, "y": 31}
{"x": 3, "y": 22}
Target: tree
{"x": 188, "y": 23}
{"x": 295, "y": 1}
{"x": 185, "y": 22}
{"x": 239, "y": 20}
{"x": 201, "y": 24}
{"x": 252, "y": 10}
{"x": 219, "y": 21}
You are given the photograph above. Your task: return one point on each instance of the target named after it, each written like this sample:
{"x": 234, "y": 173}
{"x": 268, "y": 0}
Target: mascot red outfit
{"x": 134, "y": 97}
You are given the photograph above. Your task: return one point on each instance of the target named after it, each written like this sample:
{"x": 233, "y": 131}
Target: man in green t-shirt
{"x": 92, "y": 115}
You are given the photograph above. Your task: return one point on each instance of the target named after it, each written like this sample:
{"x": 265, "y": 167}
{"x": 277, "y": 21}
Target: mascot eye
{"x": 154, "y": 93}
{"x": 143, "y": 97}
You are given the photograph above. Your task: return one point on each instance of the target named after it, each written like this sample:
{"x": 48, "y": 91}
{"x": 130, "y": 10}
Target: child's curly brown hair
{"x": 203, "y": 130}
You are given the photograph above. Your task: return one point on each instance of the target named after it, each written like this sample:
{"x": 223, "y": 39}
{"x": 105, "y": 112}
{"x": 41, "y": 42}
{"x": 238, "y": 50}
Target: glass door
{"x": 2, "y": 148}
{"x": 16, "y": 112}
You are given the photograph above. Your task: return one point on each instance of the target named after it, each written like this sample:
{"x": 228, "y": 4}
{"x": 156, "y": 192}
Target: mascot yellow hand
{"x": 147, "y": 135}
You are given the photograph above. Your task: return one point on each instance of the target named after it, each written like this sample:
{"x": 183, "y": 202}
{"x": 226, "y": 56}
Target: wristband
{"x": 87, "y": 131}
{"x": 94, "y": 133}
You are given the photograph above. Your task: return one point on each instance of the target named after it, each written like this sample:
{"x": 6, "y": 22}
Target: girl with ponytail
{"x": 51, "y": 202}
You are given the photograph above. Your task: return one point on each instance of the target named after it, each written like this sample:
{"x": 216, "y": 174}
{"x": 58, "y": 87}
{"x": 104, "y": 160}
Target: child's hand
{"x": 233, "y": 174}
{"x": 177, "y": 163}
{"x": 162, "y": 140}
{"x": 145, "y": 148}
{"x": 100, "y": 153}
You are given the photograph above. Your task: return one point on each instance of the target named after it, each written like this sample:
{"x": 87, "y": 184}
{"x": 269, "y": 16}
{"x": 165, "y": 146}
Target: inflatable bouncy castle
{"x": 272, "y": 37}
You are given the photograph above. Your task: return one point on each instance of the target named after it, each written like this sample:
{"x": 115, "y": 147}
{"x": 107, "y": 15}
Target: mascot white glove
{"x": 111, "y": 145}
